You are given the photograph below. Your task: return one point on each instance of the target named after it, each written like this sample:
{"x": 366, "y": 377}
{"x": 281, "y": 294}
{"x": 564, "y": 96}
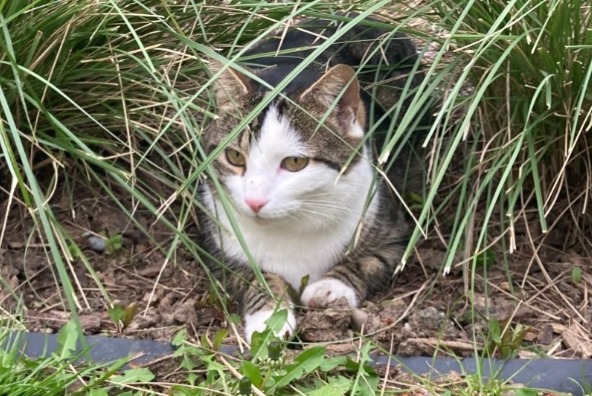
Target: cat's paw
{"x": 325, "y": 291}
{"x": 256, "y": 322}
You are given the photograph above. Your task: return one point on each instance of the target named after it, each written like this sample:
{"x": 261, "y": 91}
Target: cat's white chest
{"x": 291, "y": 254}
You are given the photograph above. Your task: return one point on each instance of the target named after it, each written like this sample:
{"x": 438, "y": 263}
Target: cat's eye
{"x": 235, "y": 158}
{"x": 294, "y": 164}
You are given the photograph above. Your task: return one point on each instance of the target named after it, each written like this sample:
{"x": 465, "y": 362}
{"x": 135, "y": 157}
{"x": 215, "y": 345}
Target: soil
{"x": 539, "y": 305}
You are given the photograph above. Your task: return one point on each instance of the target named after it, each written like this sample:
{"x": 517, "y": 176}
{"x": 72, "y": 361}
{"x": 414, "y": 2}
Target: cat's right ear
{"x": 231, "y": 85}
{"x": 338, "y": 89}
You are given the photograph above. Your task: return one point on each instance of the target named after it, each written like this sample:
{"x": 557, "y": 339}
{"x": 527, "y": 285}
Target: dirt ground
{"x": 541, "y": 307}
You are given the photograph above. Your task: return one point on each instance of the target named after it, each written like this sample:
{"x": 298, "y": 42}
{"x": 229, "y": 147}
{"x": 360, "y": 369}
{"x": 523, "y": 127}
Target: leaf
{"x": 576, "y": 275}
{"x": 332, "y": 363}
{"x": 277, "y": 320}
{"x": 67, "y": 339}
{"x": 336, "y": 387}
{"x": 129, "y": 313}
{"x": 259, "y": 344}
{"x": 219, "y": 337}
{"x": 303, "y": 283}
{"x": 236, "y": 319}
{"x": 73, "y": 250}
{"x": 253, "y": 372}
{"x": 518, "y": 335}
{"x": 525, "y": 392}
{"x": 116, "y": 313}
{"x": 495, "y": 331}
{"x": 114, "y": 243}
{"x": 192, "y": 379}
{"x": 485, "y": 258}
{"x": 140, "y": 374}
{"x": 304, "y": 363}
{"x": 180, "y": 338}
{"x": 366, "y": 381}
{"x": 260, "y": 340}
{"x": 357, "y": 367}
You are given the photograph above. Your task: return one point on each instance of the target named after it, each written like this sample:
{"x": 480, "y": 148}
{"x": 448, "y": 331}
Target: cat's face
{"x": 286, "y": 165}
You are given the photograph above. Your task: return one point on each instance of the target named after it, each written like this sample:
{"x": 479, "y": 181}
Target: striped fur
{"x": 328, "y": 222}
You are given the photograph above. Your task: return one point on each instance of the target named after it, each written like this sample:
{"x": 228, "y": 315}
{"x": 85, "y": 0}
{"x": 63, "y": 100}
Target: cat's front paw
{"x": 325, "y": 291}
{"x": 256, "y": 322}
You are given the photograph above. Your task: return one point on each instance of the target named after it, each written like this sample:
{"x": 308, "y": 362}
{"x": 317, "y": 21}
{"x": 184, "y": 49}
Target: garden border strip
{"x": 569, "y": 375}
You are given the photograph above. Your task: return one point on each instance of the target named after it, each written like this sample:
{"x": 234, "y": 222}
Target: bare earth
{"x": 535, "y": 296}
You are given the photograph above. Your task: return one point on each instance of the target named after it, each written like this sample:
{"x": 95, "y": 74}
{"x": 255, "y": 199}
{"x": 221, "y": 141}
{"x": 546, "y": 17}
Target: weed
{"x": 274, "y": 370}
{"x": 122, "y": 316}
{"x": 503, "y": 339}
{"x": 62, "y": 372}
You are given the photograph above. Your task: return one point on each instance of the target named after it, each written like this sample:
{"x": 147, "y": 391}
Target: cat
{"x": 304, "y": 193}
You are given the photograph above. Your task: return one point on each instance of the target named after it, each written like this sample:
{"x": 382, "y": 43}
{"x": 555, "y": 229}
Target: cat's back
{"x": 351, "y": 45}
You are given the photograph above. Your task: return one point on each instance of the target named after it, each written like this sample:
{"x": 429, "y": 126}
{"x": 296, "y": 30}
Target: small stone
{"x": 359, "y": 319}
{"x": 96, "y": 243}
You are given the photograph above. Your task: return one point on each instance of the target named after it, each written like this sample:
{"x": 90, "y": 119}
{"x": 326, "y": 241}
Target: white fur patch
{"x": 322, "y": 293}
{"x": 256, "y": 322}
{"x": 356, "y": 130}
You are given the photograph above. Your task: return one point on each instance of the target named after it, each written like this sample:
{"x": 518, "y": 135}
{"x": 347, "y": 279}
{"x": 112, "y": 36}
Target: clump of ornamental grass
{"x": 113, "y": 97}
{"x": 86, "y": 89}
{"x": 526, "y": 96}
{"x": 108, "y": 97}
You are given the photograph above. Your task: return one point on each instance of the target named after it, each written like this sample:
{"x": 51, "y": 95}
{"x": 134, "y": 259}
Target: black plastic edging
{"x": 560, "y": 375}
{"x": 571, "y": 376}
{"x": 101, "y": 349}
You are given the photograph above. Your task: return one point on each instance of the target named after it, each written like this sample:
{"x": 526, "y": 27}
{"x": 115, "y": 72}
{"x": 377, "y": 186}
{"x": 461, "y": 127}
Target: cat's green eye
{"x": 235, "y": 158}
{"x": 294, "y": 164}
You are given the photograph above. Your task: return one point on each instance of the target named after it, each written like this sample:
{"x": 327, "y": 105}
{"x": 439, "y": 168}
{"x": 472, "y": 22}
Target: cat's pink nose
{"x": 256, "y": 204}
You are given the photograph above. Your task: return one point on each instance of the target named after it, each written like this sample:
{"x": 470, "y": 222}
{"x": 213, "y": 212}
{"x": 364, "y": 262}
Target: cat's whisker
{"x": 326, "y": 206}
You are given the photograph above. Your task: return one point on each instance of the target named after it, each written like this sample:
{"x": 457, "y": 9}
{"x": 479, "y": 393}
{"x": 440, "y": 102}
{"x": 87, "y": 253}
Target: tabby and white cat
{"x": 300, "y": 177}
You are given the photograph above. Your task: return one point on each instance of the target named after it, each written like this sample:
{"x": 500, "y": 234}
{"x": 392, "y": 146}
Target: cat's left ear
{"x": 231, "y": 87}
{"x": 340, "y": 82}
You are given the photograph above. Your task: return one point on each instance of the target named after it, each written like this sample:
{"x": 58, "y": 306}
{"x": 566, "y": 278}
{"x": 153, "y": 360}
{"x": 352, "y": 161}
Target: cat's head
{"x": 301, "y": 156}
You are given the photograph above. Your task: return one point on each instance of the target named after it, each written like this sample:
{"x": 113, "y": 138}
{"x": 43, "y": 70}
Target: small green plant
{"x": 504, "y": 339}
{"x": 576, "y": 275}
{"x": 113, "y": 244}
{"x": 60, "y": 373}
{"x": 485, "y": 258}
{"x": 273, "y": 369}
{"x": 122, "y": 316}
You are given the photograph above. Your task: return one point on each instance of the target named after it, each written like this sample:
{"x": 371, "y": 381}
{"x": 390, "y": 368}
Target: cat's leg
{"x": 369, "y": 266}
{"x": 353, "y": 279}
{"x": 257, "y": 305}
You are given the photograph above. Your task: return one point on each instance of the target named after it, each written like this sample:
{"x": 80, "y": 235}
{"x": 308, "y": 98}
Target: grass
{"x": 112, "y": 97}
{"x": 270, "y": 370}
{"x": 60, "y": 372}
{"x": 531, "y": 117}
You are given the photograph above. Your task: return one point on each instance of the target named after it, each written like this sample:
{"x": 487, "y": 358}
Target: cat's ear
{"x": 340, "y": 82}
{"x": 231, "y": 85}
